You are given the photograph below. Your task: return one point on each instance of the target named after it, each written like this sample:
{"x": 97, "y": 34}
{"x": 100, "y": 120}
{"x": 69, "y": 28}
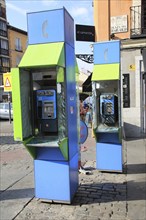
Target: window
{"x": 4, "y": 47}
{"x": 4, "y": 44}
{"x": 4, "y": 65}
{"x": 143, "y": 17}
{"x": 3, "y": 26}
{"x": 18, "y": 44}
{"x": 5, "y": 62}
{"x": 2, "y": 12}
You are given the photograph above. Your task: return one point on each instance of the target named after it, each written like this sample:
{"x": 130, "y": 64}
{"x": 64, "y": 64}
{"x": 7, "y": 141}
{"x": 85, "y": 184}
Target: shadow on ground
{"x": 90, "y": 193}
{"x": 7, "y": 139}
{"x": 136, "y": 168}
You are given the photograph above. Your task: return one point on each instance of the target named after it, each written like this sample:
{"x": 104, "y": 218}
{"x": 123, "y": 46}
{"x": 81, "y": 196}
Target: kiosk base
{"x": 109, "y": 157}
{"x": 56, "y": 180}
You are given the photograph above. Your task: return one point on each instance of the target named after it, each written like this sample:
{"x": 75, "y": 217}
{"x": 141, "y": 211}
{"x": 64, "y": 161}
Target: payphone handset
{"x": 108, "y": 108}
{"x": 46, "y": 110}
{"x": 46, "y": 104}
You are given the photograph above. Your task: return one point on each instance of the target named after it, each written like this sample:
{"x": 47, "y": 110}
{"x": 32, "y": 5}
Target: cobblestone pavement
{"x": 100, "y": 196}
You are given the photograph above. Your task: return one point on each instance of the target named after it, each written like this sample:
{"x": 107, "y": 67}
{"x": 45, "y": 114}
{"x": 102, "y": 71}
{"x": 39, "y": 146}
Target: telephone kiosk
{"x": 45, "y": 105}
{"x": 107, "y": 106}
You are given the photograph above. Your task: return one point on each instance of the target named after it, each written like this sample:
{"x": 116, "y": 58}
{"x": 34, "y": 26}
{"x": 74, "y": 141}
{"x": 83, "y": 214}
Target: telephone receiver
{"x": 102, "y": 108}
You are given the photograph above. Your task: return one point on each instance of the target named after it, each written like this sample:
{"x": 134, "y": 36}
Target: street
{"x": 101, "y": 195}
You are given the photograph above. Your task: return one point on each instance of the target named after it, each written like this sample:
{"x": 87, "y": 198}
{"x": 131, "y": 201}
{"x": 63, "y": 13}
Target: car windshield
{"x": 5, "y": 105}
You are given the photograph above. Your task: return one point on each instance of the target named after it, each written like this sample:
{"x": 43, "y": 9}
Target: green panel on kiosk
{"x": 21, "y": 104}
{"x": 16, "y": 99}
{"x": 106, "y": 72}
{"x": 43, "y": 55}
{"x": 60, "y": 75}
{"x": 63, "y": 145}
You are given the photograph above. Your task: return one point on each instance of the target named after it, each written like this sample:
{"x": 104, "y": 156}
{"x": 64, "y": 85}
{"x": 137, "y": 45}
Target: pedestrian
{"x": 88, "y": 117}
{"x": 82, "y": 111}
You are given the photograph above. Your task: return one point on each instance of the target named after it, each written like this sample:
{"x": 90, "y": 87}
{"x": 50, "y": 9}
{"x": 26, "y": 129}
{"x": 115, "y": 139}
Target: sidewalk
{"x": 100, "y": 196}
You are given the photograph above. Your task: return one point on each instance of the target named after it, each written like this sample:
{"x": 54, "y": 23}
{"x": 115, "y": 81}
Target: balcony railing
{"x": 4, "y": 51}
{"x": 138, "y": 22}
{"x": 3, "y": 33}
{"x": 4, "y": 69}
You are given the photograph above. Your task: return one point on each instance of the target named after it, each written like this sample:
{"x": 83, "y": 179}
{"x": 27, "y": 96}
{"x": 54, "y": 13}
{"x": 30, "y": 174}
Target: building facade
{"x": 4, "y": 45}
{"x": 17, "y": 44}
{"x": 126, "y": 21}
{"x": 13, "y": 43}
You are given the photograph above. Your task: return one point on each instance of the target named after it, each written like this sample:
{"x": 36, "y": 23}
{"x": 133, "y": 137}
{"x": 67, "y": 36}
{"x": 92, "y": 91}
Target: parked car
{"x": 4, "y": 110}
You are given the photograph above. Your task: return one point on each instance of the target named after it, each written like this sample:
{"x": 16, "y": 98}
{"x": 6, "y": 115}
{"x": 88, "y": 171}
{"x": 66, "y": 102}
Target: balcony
{"x": 4, "y": 69}
{"x": 3, "y": 33}
{"x": 2, "y": 11}
{"x": 4, "y": 52}
{"x": 138, "y": 21}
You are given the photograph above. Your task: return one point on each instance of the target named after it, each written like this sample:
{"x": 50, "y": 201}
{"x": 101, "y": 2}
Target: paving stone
{"x": 92, "y": 190}
{"x": 100, "y": 196}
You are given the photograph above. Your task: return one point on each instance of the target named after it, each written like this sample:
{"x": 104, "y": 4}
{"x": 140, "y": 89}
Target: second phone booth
{"x": 45, "y": 105}
{"x": 107, "y": 106}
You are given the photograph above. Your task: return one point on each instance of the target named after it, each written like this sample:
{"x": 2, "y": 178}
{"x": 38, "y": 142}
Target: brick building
{"x": 13, "y": 43}
{"x": 126, "y": 21}
{"x": 4, "y": 45}
{"x": 17, "y": 44}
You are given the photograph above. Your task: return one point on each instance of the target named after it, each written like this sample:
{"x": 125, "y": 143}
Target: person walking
{"x": 88, "y": 117}
{"x": 82, "y": 111}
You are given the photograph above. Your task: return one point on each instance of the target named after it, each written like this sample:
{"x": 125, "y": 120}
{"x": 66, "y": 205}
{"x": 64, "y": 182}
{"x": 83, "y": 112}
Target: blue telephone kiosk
{"x": 107, "y": 106}
{"x": 45, "y": 104}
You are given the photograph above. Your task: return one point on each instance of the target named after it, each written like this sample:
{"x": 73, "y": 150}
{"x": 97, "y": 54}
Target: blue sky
{"x": 80, "y": 10}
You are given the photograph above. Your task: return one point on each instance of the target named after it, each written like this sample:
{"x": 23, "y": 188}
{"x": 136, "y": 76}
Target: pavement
{"x": 100, "y": 196}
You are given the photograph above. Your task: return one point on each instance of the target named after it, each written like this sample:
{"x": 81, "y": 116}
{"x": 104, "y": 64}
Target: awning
{"x": 87, "y": 85}
{"x": 82, "y": 78}
{"x": 43, "y": 55}
{"x": 106, "y": 72}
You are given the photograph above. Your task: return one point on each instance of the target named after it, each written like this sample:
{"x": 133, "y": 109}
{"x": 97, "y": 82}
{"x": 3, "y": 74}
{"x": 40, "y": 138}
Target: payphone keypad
{"x": 46, "y": 110}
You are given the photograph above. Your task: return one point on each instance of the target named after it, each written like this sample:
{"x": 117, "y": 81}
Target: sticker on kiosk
{"x": 83, "y": 132}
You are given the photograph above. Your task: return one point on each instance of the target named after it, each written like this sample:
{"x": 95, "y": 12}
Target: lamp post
{"x": 9, "y": 101}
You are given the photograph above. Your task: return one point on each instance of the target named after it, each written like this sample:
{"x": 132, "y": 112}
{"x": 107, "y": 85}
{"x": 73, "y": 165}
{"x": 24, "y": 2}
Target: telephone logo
{"x": 106, "y": 55}
{"x": 44, "y": 29}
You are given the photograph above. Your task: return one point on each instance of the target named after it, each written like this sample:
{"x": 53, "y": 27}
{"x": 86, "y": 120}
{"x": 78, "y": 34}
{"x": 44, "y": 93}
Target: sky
{"x": 80, "y": 10}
